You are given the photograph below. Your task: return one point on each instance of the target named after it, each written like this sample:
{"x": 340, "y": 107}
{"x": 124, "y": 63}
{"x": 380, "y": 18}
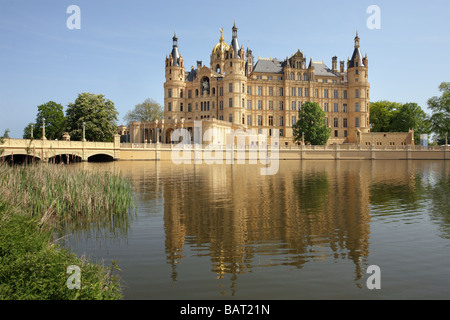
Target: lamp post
{"x": 84, "y": 131}
{"x": 31, "y": 131}
{"x": 43, "y": 129}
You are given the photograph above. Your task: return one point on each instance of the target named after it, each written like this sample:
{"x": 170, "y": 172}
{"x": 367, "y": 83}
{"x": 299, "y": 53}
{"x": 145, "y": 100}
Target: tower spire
{"x": 357, "y": 40}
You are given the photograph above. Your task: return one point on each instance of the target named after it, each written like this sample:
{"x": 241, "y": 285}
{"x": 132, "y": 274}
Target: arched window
{"x": 292, "y": 76}
{"x": 305, "y": 77}
{"x": 299, "y": 76}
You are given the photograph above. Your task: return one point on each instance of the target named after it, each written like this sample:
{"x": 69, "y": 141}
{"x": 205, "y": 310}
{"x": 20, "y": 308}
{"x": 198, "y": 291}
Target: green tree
{"x": 149, "y": 110}
{"x": 382, "y": 114}
{"x": 411, "y": 116}
{"x": 440, "y": 118}
{"x": 312, "y": 122}
{"x": 53, "y": 114}
{"x": 386, "y": 116}
{"x": 97, "y": 113}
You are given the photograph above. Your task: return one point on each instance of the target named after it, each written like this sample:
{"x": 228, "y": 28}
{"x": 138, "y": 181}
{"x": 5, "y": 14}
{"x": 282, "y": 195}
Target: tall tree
{"x": 382, "y": 114}
{"x": 98, "y": 114}
{"x": 311, "y": 122}
{"x": 149, "y": 110}
{"x": 411, "y": 116}
{"x": 53, "y": 114}
{"x": 440, "y": 118}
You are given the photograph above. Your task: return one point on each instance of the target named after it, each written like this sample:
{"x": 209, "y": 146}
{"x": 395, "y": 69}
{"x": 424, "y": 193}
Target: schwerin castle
{"x": 236, "y": 92}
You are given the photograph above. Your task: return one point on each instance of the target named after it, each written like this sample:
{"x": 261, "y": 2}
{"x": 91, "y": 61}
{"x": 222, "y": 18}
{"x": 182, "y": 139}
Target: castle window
{"x": 293, "y": 107}
{"x": 280, "y": 92}
{"x": 260, "y": 121}
{"x": 306, "y": 92}
{"x": 305, "y": 77}
{"x": 356, "y": 93}
{"x": 293, "y": 120}
{"x": 344, "y": 108}
{"x": 213, "y": 91}
{"x": 292, "y": 76}
{"x": 325, "y": 107}
{"x": 270, "y": 120}
{"x": 230, "y": 118}
{"x": 270, "y": 91}
{"x": 243, "y": 88}
{"x": 345, "y": 133}
{"x": 335, "y": 94}
{"x": 249, "y": 120}
{"x": 356, "y": 122}
{"x": 293, "y": 92}
{"x": 169, "y": 106}
{"x": 356, "y": 107}
{"x": 344, "y": 94}
{"x": 230, "y": 102}
{"x": 335, "y": 107}
{"x": 335, "y": 122}
{"x": 181, "y": 93}
{"x": 249, "y": 104}
{"x": 344, "y": 122}
{"x": 189, "y": 107}
{"x": 280, "y": 105}
{"x": 259, "y": 104}
{"x": 196, "y": 92}
{"x": 259, "y": 91}
{"x": 181, "y": 107}
{"x": 221, "y": 105}
{"x": 169, "y": 93}
{"x": 190, "y": 94}
{"x": 325, "y": 93}
{"x": 299, "y": 76}
{"x": 249, "y": 90}
{"x": 270, "y": 105}
{"x": 335, "y": 133}
{"x": 300, "y": 92}
{"x": 230, "y": 87}
{"x": 221, "y": 91}
{"x": 281, "y": 121}
{"x": 243, "y": 103}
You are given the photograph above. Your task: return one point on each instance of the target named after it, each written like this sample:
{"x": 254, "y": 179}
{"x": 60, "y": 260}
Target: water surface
{"x": 308, "y": 232}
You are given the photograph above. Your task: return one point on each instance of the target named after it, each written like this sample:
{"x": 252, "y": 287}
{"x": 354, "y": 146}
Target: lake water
{"x": 309, "y": 232}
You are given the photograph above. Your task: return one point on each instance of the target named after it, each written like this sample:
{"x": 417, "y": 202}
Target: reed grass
{"x": 67, "y": 198}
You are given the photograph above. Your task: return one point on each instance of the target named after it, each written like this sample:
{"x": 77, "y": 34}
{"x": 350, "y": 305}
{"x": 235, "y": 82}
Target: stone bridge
{"x": 59, "y": 150}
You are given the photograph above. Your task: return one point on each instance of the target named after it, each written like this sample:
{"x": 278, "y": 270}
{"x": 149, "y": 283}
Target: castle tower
{"x": 358, "y": 92}
{"x": 175, "y": 84}
{"x": 235, "y": 81}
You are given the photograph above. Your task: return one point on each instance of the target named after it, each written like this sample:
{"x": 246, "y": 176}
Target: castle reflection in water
{"x": 243, "y": 220}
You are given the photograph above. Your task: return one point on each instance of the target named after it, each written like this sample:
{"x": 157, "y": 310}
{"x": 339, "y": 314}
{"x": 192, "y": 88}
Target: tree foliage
{"x": 53, "y": 114}
{"x": 149, "y": 110}
{"x": 312, "y": 122}
{"x": 440, "y": 119}
{"x": 97, "y": 113}
{"x": 386, "y": 116}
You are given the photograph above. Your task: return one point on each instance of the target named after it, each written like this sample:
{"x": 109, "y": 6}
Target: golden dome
{"x": 221, "y": 46}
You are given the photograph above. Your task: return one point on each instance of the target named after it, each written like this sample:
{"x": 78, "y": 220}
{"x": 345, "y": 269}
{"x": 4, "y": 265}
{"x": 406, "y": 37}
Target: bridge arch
{"x": 100, "y": 157}
{"x": 65, "y": 158}
{"x": 20, "y": 158}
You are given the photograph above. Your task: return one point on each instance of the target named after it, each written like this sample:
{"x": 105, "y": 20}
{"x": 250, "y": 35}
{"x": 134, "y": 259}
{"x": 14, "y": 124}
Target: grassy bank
{"x": 36, "y": 201}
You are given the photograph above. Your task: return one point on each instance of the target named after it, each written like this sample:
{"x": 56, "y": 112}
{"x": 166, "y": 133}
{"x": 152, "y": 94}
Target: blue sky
{"x": 121, "y": 46}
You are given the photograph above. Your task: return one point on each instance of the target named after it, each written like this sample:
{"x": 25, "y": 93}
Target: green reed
{"x": 61, "y": 196}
